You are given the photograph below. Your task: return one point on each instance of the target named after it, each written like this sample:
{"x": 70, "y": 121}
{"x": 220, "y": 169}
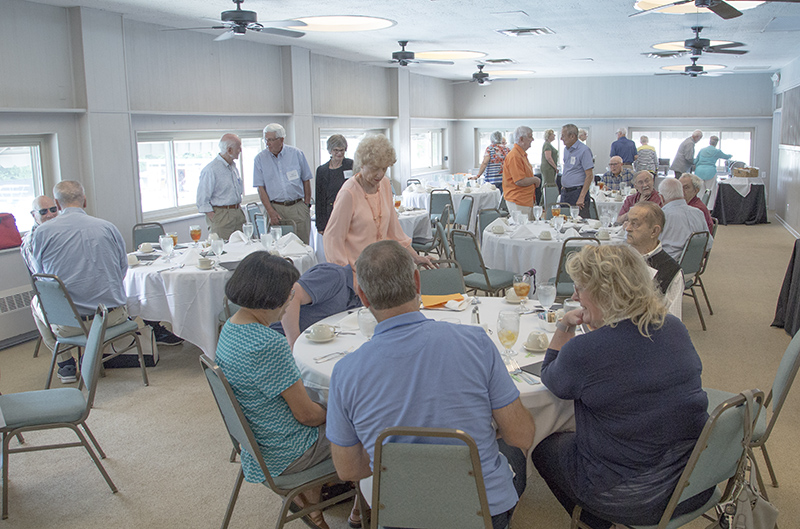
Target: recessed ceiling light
{"x": 509, "y": 73}
{"x": 688, "y": 7}
{"x": 682, "y": 67}
{"x": 680, "y": 45}
{"x": 449, "y": 55}
{"x": 343, "y": 23}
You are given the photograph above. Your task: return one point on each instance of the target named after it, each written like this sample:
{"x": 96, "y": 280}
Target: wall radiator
{"x": 16, "y": 321}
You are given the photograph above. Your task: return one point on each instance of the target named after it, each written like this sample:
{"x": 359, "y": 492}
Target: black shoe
{"x": 68, "y": 371}
{"x": 164, "y": 337}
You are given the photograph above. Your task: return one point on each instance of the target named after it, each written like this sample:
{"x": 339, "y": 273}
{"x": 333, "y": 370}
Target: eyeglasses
{"x": 339, "y": 151}
{"x": 54, "y": 209}
{"x": 273, "y": 140}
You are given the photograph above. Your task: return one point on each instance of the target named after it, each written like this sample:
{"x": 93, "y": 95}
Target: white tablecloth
{"x": 483, "y": 199}
{"x": 608, "y": 205}
{"x": 519, "y": 255}
{"x": 190, "y": 298}
{"x": 414, "y": 223}
{"x": 550, "y": 413}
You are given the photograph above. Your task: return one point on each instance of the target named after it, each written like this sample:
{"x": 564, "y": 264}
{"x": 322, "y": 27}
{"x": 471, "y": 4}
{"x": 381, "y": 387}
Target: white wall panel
{"x": 344, "y": 88}
{"x": 36, "y": 56}
{"x": 187, "y": 71}
{"x": 103, "y": 59}
{"x": 431, "y": 97}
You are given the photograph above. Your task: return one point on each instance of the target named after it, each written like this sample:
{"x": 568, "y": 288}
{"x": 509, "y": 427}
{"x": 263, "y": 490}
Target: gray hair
{"x": 228, "y": 141}
{"x": 643, "y": 140}
{"x": 336, "y": 141}
{"x": 521, "y": 131}
{"x": 570, "y": 129}
{"x": 496, "y": 137}
{"x": 69, "y": 193}
{"x": 671, "y": 189}
{"x": 277, "y": 128}
{"x": 713, "y": 140}
{"x": 385, "y": 273}
{"x": 623, "y": 131}
{"x": 698, "y": 133}
{"x": 582, "y": 131}
{"x": 697, "y": 182}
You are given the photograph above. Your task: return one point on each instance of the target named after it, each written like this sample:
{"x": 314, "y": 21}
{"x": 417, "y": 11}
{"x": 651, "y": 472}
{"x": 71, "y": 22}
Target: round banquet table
{"x": 550, "y": 413}
{"x": 607, "y": 204}
{"x": 420, "y": 198}
{"x": 189, "y": 298}
{"x": 519, "y": 255}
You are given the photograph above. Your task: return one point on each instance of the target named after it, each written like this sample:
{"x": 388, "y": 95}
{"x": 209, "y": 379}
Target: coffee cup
{"x": 204, "y": 263}
{"x": 512, "y": 296}
{"x": 320, "y": 331}
{"x": 132, "y": 259}
{"x": 145, "y": 247}
{"x": 537, "y": 341}
{"x": 545, "y": 235}
{"x": 603, "y": 234}
{"x": 498, "y": 228}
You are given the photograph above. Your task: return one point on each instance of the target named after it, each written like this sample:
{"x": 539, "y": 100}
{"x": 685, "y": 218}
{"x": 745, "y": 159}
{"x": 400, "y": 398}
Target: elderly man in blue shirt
{"x": 420, "y": 372}
{"x": 577, "y": 174}
{"x": 681, "y": 219}
{"x": 219, "y": 192}
{"x": 283, "y": 178}
{"x": 624, "y": 148}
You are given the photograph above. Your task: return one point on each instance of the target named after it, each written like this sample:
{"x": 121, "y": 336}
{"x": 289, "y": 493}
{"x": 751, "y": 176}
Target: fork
{"x": 331, "y": 356}
{"x": 514, "y": 369}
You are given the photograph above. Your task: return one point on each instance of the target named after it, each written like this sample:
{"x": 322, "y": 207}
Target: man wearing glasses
{"x": 283, "y": 178}
{"x": 44, "y": 209}
{"x": 617, "y": 174}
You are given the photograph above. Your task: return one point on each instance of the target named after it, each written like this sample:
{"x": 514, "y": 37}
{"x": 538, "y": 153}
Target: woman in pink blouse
{"x": 364, "y": 209}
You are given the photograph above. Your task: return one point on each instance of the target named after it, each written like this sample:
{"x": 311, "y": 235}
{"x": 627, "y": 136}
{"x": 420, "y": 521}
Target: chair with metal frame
{"x": 564, "y": 284}
{"x": 593, "y": 213}
{"x": 437, "y": 244}
{"x": 485, "y": 217}
{"x": 288, "y": 487}
{"x": 549, "y": 196}
{"x": 784, "y": 378}
{"x": 147, "y": 232}
{"x": 58, "y": 309}
{"x": 703, "y": 266}
{"x": 260, "y": 225}
{"x": 465, "y": 250}
{"x": 439, "y": 199}
{"x": 691, "y": 262}
{"x": 58, "y": 408}
{"x": 706, "y": 196}
{"x": 446, "y": 279}
{"x": 717, "y": 454}
{"x": 427, "y": 485}
{"x": 288, "y": 226}
{"x": 413, "y": 181}
{"x": 464, "y": 214}
{"x": 251, "y": 210}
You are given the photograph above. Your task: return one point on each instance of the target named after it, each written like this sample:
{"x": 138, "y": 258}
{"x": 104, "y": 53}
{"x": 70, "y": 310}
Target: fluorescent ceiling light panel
{"x": 343, "y": 23}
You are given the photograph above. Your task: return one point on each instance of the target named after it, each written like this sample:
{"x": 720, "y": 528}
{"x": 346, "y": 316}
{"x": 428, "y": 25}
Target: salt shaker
{"x": 476, "y": 316}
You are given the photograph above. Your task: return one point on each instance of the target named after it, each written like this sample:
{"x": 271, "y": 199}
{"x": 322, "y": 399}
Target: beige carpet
{"x": 168, "y": 450}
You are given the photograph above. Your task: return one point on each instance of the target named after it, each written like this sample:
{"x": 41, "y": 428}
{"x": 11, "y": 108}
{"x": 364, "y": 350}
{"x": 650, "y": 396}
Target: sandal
{"x": 354, "y": 520}
{"x": 313, "y": 520}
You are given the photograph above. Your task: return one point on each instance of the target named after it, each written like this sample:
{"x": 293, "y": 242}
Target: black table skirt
{"x": 787, "y": 313}
{"x": 732, "y": 208}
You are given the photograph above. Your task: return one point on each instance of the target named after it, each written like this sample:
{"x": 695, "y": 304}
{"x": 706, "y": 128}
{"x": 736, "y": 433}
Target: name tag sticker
{"x": 572, "y": 160}
{"x": 292, "y": 175}
{"x": 348, "y": 174}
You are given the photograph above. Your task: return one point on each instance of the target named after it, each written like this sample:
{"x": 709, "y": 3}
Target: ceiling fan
{"x": 693, "y": 70}
{"x": 721, "y": 8}
{"x": 697, "y": 46}
{"x": 404, "y": 58}
{"x": 483, "y": 79}
{"x": 238, "y": 21}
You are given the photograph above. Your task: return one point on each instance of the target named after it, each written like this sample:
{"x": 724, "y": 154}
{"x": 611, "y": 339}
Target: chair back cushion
{"x": 93, "y": 352}
{"x": 486, "y": 217}
{"x": 691, "y": 259}
{"x": 443, "y": 280}
{"x": 55, "y": 300}
{"x": 464, "y": 210}
{"x": 439, "y": 199}
{"x": 466, "y": 252}
{"x": 147, "y": 232}
{"x": 787, "y": 370}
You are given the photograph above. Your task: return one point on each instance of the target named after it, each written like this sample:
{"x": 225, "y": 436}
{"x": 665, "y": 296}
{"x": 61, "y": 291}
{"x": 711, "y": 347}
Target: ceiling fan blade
{"x": 659, "y": 8}
{"x": 463, "y": 82}
{"x": 714, "y": 49}
{"x": 283, "y": 24}
{"x": 281, "y": 32}
{"x": 225, "y": 36}
{"x": 430, "y": 61}
{"x": 724, "y": 10}
{"x": 204, "y": 27}
{"x": 665, "y": 54}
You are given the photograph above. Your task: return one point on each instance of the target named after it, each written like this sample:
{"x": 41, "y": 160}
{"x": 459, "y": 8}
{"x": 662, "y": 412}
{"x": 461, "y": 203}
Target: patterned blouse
{"x": 494, "y": 170}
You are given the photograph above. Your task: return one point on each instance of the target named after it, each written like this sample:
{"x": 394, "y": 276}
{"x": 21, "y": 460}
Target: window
{"x": 20, "y": 177}
{"x": 427, "y": 150}
{"x": 534, "y": 153}
{"x": 353, "y": 137}
{"x": 169, "y": 170}
{"x": 737, "y": 143}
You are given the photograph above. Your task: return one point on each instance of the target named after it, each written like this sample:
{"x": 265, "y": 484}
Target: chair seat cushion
{"x": 717, "y": 397}
{"x": 683, "y": 519}
{"x": 498, "y": 279}
{"x": 111, "y": 333}
{"x": 290, "y": 481}
{"x": 42, "y": 407}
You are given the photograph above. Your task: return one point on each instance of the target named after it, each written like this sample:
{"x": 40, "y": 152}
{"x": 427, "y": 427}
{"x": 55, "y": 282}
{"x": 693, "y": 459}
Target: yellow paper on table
{"x": 436, "y": 302}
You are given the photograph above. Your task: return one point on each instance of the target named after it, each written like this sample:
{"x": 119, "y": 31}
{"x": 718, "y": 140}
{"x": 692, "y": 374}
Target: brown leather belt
{"x": 232, "y": 206}
{"x": 289, "y": 203}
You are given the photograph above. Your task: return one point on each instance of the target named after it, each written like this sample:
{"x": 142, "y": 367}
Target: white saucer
{"x": 142, "y": 251}
{"x": 201, "y": 268}
{"x": 315, "y": 340}
{"x": 511, "y": 301}
{"x": 525, "y": 346}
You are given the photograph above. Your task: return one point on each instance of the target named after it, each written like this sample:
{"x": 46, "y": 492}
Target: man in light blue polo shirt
{"x": 420, "y": 372}
{"x": 577, "y": 175}
{"x": 283, "y": 178}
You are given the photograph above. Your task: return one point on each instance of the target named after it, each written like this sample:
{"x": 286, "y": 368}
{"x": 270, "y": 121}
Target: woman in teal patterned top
{"x": 258, "y": 363}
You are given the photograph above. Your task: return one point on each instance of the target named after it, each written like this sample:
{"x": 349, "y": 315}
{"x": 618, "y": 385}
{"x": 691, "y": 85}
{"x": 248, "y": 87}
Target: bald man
{"x": 219, "y": 192}
{"x": 43, "y": 209}
{"x": 617, "y": 174}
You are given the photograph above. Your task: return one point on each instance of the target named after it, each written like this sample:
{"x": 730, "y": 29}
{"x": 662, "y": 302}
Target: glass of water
{"x": 247, "y": 229}
{"x": 366, "y": 322}
{"x": 167, "y": 243}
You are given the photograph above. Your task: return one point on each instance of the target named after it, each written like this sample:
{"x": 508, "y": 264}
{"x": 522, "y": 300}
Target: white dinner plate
{"x": 317, "y": 340}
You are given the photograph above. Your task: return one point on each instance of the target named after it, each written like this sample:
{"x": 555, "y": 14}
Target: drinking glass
{"x": 555, "y": 210}
{"x": 366, "y": 322}
{"x": 522, "y": 287}
{"x": 574, "y": 211}
{"x": 605, "y": 220}
{"x": 174, "y": 238}
{"x": 247, "y": 229}
{"x": 216, "y": 247}
{"x": 546, "y": 292}
{"x": 195, "y": 233}
{"x": 537, "y": 213}
{"x": 276, "y": 232}
{"x": 558, "y": 222}
{"x": 508, "y": 330}
{"x": 167, "y": 244}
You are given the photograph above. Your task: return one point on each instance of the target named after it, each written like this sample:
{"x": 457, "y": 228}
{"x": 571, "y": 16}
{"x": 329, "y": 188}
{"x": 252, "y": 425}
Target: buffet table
{"x": 190, "y": 298}
{"x": 740, "y": 201}
{"x": 486, "y": 196}
{"x": 550, "y": 413}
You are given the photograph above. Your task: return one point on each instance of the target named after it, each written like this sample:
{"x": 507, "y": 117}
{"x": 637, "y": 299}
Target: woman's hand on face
{"x": 575, "y": 317}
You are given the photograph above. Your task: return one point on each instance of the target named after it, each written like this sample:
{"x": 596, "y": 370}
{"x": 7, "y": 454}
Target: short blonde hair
{"x": 548, "y": 133}
{"x": 376, "y": 151}
{"x": 617, "y": 278}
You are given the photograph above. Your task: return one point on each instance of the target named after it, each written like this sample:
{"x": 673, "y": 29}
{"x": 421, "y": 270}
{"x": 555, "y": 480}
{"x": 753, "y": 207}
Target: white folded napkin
{"x": 286, "y": 239}
{"x": 237, "y": 236}
{"x": 523, "y": 232}
{"x": 459, "y": 305}
{"x": 572, "y": 232}
{"x": 497, "y": 222}
{"x": 417, "y": 188}
{"x": 294, "y": 248}
{"x": 488, "y": 187}
{"x": 190, "y": 256}
{"x": 349, "y": 322}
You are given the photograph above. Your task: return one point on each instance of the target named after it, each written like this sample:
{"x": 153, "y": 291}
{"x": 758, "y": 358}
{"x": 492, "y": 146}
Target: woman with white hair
{"x": 329, "y": 179}
{"x": 493, "y": 160}
{"x": 637, "y": 391}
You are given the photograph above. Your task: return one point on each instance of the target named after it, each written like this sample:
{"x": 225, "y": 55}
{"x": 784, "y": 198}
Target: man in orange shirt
{"x": 519, "y": 184}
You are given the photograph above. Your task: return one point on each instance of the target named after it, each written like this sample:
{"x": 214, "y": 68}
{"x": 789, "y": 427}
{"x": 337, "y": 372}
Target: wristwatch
{"x": 561, "y": 326}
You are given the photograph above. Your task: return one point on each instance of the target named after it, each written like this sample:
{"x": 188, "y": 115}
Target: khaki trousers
{"x": 300, "y": 214}
{"x": 226, "y": 221}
